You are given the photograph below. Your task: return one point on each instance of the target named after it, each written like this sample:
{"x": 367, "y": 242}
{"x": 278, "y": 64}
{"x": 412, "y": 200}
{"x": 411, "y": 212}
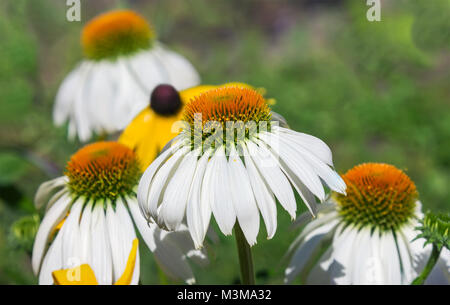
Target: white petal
{"x": 121, "y": 236}
{"x": 46, "y": 189}
{"x": 66, "y": 92}
{"x": 181, "y": 73}
{"x": 343, "y": 246}
{"x": 170, "y": 257}
{"x": 160, "y": 180}
{"x": 242, "y": 197}
{"x": 71, "y": 246}
{"x": 146, "y": 179}
{"x": 198, "y": 211}
{"x": 54, "y": 216}
{"x": 184, "y": 242}
{"x": 85, "y": 234}
{"x": 264, "y": 197}
{"x": 306, "y": 252}
{"x": 52, "y": 261}
{"x": 313, "y": 144}
{"x": 274, "y": 178}
{"x": 321, "y": 220}
{"x": 222, "y": 205}
{"x": 101, "y": 249}
{"x": 391, "y": 262}
{"x": 331, "y": 178}
{"x": 173, "y": 206}
{"x": 300, "y": 167}
{"x": 142, "y": 225}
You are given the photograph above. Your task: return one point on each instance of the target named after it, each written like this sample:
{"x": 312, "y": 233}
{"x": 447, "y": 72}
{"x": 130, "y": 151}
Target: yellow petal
{"x": 127, "y": 275}
{"x": 80, "y": 275}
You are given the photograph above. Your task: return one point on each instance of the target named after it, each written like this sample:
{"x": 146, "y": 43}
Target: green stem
{"x": 429, "y": 266}
{"x": 245, "y": 257}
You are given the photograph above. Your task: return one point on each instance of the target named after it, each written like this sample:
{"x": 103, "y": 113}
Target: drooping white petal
{"x": 142, "y": 225}
{"x": 100, "y": 93}
{"x": 331, "y": 178}
{"x": 148, "y": 70}
{"x": 264, "y": 197}
{"x": 85, "y": 234}
{"x": 173, "y": 206}
{"x": 242, "y": 197}
{"x": 121, "y": 236}
{"x": 52, "y": 260}
{"x": 170, "y": 257}
{"x": 184, "y": 242}
{"x": 80, "y": 116}
{"x": 146, "y": 179}
{"x": 54, "y": 216}
{"x": 307, "y": 251}
{"x": 101, "y": 249}
{"x": 222, "y": 205}
{"x": 390, "y": 257}
{"x": 129, "y": 232}
{"x": 321, "y": 220}
{"x": 181, "y": 72}
{"x": 160, "y": 180}
{"x": 198, "y": 211}
{"x": 46, "y": 189}
{"x": 71, "y": 246}
{"x": 408, "y": 273}
{"x": 299, "y": 167}
{"x": 313, "y": 144}
{"x": 343, "y": 246}
{"x": 66, "y": 92}
{"x": 274, "y": 178}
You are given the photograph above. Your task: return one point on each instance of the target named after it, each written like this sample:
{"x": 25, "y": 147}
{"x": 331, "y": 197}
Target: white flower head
{"x": 367, "y": 236}
{"x": 233, "y": 161}
{"x": 123, "y": 64}
{"x": 89, "y": 219}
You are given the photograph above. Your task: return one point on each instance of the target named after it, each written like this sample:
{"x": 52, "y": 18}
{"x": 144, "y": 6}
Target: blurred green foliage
{"x": 374, "y": 91}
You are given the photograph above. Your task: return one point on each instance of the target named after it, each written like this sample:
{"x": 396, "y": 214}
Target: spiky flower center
{"x": 233, "y": 111}
{"x": 378, "y": 195}
{"x": 115, "y": 33}
{"x": 103, "y": 170}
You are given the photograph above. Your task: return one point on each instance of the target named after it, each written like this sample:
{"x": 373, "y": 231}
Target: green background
{"x": 373, "y": 91}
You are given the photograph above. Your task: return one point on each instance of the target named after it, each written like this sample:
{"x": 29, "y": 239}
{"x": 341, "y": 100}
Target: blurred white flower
{"x": 112, "y": 85}
{"x": 366, "y": 237}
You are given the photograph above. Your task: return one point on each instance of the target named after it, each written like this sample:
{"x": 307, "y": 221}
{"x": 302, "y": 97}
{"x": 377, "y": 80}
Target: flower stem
{"x": 435, "y": 252}
{"x": 245, "y": 257}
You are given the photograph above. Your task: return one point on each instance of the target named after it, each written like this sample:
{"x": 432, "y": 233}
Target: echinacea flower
{"x": 234, "y": 173}
{"x": 89, "y": 220}
{"x": 366, "y": 237}
{"x": 123, "y": 63}
{"x": 153, "y": 127}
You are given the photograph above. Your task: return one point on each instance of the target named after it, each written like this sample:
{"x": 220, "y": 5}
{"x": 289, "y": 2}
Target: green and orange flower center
{"x": 103, "y": 170}
{"x": 114, "y": 34}
{"x": 378, "y": 195}
{"x": 229, "y": 109}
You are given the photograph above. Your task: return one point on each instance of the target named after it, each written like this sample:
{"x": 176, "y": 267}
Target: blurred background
{"x": 373, "y": 91}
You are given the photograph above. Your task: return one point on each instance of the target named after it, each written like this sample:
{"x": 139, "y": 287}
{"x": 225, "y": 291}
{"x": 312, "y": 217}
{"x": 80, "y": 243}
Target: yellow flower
{"x": 156, "y": 125}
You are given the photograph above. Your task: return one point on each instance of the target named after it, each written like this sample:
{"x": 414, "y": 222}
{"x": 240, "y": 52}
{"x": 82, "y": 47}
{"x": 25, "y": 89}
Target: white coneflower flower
{"x": 112, "y": 85}
{"x": 234, "y": 178}
{"x": 366, "y": 237}
{"x": 89, "y": 220}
